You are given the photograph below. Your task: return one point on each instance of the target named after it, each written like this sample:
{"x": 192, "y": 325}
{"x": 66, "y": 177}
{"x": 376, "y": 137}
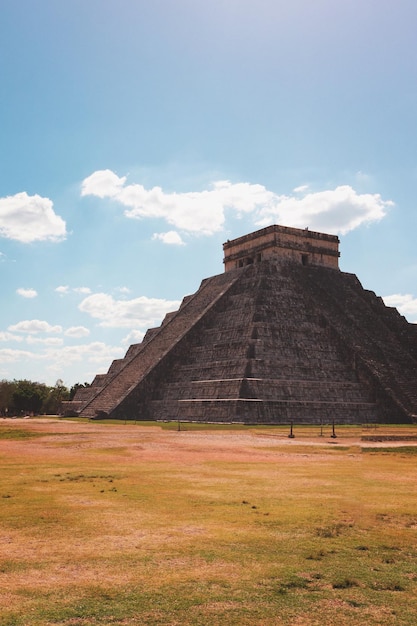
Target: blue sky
{"x": 137, "y": 136}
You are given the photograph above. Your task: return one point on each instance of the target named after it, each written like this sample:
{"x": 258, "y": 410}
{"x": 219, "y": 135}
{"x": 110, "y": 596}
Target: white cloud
{"x": 46, "y": 341}
{"x": 77, "y": 332}
{"x": 83, "y": 290}
{"x": 300, "y": 189}
{"x": 139, "y": 312}
{"x": 135, "y": 336}
{"x": 65, "y": 289}
{"x": 34, "y": 326}
{"x": 95, "y": 352}
{"x": 30, "y": 218}
{"x": 197, "y": 212}
{"x": 10, "y": 337}
{"x": 57, "y": 360}
{"x": 8, "y": 355}
{"x": 103, "y": 184}
{"x": 171, "y": 237}
{"x": 27, "y": 293}
{"x": 362, "y": 178}
{"x": 405, "y": 303}
{"x": 336, "y": 210}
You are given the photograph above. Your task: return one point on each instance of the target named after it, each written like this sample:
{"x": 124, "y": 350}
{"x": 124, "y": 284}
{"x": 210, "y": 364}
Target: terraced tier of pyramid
{"x": 283, "y": 335}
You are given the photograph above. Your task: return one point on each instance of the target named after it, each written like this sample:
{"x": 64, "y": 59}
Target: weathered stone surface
{"x": 305, "y": 246}
{"x": 284, "y": 337}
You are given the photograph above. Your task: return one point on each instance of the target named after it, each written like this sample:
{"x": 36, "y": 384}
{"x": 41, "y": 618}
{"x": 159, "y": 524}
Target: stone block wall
{"x": 280, "y": 242}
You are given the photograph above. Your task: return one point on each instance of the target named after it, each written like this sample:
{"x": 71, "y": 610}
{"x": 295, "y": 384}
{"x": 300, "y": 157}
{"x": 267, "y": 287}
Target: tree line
{"x": 25, "y": 397}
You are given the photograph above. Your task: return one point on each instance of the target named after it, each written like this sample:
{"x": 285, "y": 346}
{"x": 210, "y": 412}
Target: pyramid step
{"x": 159, "y": 345}
{"x": 261, "y": 411}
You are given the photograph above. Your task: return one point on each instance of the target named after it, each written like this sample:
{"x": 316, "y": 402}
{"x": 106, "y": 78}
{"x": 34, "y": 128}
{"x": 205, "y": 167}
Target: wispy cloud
{"x": 34, "y": 327}
{"x": 95, "y": 352}
{"x": 405, "y": 303}
{"x": 82, "y": 290}
{"x": 140, "y": 312}
{"x": 57, "y": 358}
{"x": 300, "y": 189}
{"x": 46, "y": 341}
{"x": 135, "y": 336}
{"x": 27, "y": 218}
{"x": 9, "y": 355}
{"x": 5, "y": 336}
{"x": 76, "y": 332}
{"x": 64, "y": 289}
{"x": 27, "y": 293}
{"x": 170, "y": 238}
{"x": 336, "y": 210}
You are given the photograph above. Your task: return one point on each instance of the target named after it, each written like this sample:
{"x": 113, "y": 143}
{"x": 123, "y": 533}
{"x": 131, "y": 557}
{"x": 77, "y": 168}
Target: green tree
{"x": 7, "y": 389}
{"x": 52, "y": 404}
{"x": 28, "y": 397}
{"x": 75, "y": 388}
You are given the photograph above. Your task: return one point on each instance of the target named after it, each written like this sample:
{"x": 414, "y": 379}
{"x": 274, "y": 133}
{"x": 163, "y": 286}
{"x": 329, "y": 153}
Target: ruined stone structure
{"x": 282, "y": 335}
{"x": 279, "y": 243}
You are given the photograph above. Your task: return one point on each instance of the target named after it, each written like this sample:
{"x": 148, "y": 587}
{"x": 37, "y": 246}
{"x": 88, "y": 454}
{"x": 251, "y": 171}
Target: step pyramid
{"x": 281, "y": 336}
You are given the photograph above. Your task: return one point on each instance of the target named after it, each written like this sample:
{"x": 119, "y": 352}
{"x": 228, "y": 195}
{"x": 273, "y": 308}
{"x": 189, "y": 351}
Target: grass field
{"x": 142, "y": 524}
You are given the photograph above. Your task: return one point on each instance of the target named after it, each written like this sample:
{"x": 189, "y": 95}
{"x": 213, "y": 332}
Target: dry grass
{"x": 134, "y": 524}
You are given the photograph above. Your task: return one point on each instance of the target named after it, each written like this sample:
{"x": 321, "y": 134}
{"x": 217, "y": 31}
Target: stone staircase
{"x": 379, "y": 342}
{"x": 124, "y": 375}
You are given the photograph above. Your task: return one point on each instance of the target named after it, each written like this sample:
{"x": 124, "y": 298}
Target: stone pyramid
{"x": 282, "y": 335}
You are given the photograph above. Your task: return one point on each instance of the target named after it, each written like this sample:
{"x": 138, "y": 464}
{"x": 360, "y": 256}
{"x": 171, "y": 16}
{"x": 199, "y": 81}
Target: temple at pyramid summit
{"x": 283, "y": 335}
